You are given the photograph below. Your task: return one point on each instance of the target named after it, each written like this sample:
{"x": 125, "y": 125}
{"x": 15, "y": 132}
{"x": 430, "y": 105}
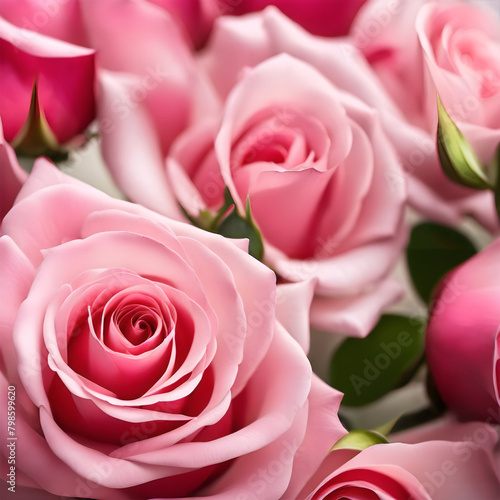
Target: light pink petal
{"x": 45, "y": 174}
{"x": 355, "y": 315}
{"x": 248, "y": 478}
{"x": 345, "y": 201}
{"x": 323, "y": 430}
{"x": 192, "y": 168}
{"x": 385, "y": 33}
{"x": 12, "y": 174}
{"x": 51, "y": 229}
{"x": 188, "y": 196}
{"x": 235, "y": 43}
{"x": 349, "y": 273}
{"x": 337, "y": 59}
{"x": 292, "y": 310}
{"x": 209, "y": 269}
{"x": 131, "y": 144}
{"x": 16, "y": 275}
{"x": 290, "y": 228}
{"x": 386, "y": 196}
{"x": 450, "y": 429}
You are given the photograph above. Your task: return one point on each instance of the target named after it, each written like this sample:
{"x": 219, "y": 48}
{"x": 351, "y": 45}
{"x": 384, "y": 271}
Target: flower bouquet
{"x": 248, "y": 249}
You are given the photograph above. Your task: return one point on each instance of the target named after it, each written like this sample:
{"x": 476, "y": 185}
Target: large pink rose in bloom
{"x": 65, "y": 77}
{"x": 149, "y": 358}
{"x": 11, "y": 173}
{"x": 316, "y": 168}
{"x": 437, "y": 462}
{"x": 422, "y": 48}
{"x": 463, "y": 337}
{"x": 321, "y": 17}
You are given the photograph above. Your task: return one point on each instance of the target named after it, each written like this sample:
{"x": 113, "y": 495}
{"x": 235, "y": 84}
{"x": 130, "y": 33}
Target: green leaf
{"x": 223, "y": 211}
{"x": 204, "y": 220}
{"x": 367, "y": 369}
{"x": 459, "y": 161}
{"x": 432, "y": 252}
{"x": 359, "y": 440}
{"x": 36, "y": 138}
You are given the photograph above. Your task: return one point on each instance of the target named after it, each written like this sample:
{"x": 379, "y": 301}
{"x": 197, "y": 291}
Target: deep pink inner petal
{"x": 362, "y": 484}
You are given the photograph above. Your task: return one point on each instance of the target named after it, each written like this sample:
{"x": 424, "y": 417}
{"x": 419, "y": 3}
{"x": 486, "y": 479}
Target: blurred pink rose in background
{"x": 420, "y": 49}
{"x": 11, "y": 173}
{"x": 437, "y": 462}
{"x": 462, "y": 341}
{"x": 63, "y": 19}
{"x": 65, "y": 80}
{"x": 321, "y": 17}
{"x": 138, "y": 347}
{"x": 195, "y": 16}
{"x": 149, "y": 91}
{"x": 59, "y": 19}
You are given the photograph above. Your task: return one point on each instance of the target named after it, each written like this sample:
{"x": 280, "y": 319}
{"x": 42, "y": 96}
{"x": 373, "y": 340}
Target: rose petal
{"x": 357, "y": 315}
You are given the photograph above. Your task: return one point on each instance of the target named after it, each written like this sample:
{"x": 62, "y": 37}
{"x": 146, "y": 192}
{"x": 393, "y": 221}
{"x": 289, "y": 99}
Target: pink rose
{"x": 147, "y": 357}
{"x": 321, "y": 17}
{"x": 316, "y": 167}
{"x": 149, "y": 91}
{"x": 65, "y": 76}
{"x": 420, "y": 49}
{"x": 59, "y": 19}
{"x": 11, "y": 173}
{"x": 195, "y": 17}
{"x": 462, "y": 338}
{"x": 442, "y": 462}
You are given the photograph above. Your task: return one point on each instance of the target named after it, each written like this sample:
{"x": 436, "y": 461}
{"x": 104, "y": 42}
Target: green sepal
{"x": 204, "y": 219}
{"x": 359, "y": 440}
{"x": 228, "y": 222}
{"x": 386, "y": 429}
{"x": 458, "y": 160}
{"x": 36, "y": 137}
{"x": 236, "y": 226}
{"x": 495, "y": 166}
